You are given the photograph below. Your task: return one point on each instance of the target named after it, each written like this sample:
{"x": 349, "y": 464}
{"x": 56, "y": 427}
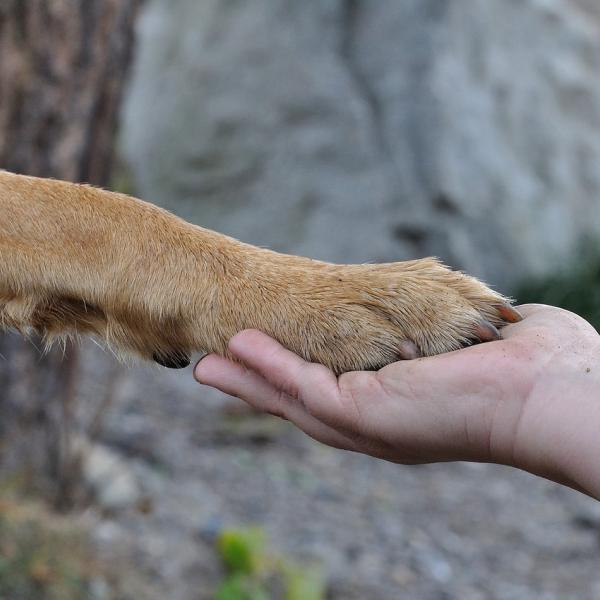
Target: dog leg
{"x": 77, "y": 259}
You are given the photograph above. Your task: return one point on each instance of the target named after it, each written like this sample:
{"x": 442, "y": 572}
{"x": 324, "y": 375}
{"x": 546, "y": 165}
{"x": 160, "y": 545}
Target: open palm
{"x": 523, "y": 400}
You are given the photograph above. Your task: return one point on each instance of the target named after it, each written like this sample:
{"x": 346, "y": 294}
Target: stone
{"x": 107, "y": 475}
{"x": 358, "y": 131}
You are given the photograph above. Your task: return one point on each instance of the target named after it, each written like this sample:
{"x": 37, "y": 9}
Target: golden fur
{"x": 76, "y": 259}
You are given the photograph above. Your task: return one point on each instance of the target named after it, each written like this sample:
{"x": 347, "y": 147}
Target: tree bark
{"x": 62, "y": 68}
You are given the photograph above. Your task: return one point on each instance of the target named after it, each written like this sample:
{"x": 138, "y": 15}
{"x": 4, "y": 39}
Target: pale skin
{"x": 530, "y": 400}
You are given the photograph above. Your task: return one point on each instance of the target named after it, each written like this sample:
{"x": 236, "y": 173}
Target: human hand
{"x": 530, "y": 400}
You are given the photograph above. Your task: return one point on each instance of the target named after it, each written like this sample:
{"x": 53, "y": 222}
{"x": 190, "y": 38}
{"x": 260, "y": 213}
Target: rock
{"x": 433, "y": 565}
{"x": 99, "y": 589}
{"x": 356, "y": 131}
{"x": 108, "y": 476}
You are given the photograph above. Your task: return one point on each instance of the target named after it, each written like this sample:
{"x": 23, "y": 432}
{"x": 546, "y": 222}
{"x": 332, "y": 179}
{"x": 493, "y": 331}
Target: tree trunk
{"x": 62, "y": 68}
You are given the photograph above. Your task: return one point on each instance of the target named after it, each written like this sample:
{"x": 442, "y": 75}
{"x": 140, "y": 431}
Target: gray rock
{"x": 357, "y": 131}
{"x": 108, "y": 476}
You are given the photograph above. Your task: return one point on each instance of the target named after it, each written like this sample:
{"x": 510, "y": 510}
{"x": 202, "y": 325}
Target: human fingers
{"x": 315, "y": 386}
{"x": 237, "y": 380}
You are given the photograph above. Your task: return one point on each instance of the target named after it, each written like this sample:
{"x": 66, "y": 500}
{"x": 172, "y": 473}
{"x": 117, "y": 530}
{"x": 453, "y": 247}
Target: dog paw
{"x": 378, "y": 314}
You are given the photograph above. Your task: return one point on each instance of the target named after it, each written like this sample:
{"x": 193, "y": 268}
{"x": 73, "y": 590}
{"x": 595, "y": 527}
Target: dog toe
{"x": 508, "y": 313}
{"x": 486, "y": 332}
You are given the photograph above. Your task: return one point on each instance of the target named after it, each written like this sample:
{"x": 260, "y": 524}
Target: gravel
{"x": 449, "y": 531}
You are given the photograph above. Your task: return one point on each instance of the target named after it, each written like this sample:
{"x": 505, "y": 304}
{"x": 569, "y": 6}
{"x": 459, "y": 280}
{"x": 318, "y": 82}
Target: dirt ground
{"x": 382, "y": 531}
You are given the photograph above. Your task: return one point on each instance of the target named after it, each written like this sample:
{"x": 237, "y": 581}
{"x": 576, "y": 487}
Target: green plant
{"x": 241, "y": 587}
{"x": 254, "y": 574}
{"x": 242, "y": 550}
{"x": 304, "y": 583}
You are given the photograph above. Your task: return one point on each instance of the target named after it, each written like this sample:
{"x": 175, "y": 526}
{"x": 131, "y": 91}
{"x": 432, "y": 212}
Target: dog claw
{"x": 408, "y": 351}
{"x": 508, "y": 313}
{"x": 179, "y": 360}
{"x": 486, "y": 332}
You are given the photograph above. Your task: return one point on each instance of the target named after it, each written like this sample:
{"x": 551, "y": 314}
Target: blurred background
{"x": 344, "y": 130}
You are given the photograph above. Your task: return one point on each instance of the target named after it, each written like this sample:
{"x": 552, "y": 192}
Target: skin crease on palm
{"x": 530, "y": 400}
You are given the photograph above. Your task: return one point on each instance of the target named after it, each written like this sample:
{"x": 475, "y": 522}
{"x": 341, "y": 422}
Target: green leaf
{"x": 240, "y": 587}
{"x": 304, "y": 583}
{"x": 242, "y": 550}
